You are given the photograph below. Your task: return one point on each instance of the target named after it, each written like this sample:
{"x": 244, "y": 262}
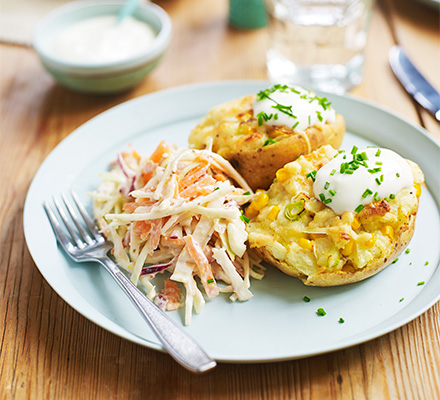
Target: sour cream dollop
{"x": 353, "y": 180}
{"x": 295, "y": 107}
{"x": 101, "y": 39}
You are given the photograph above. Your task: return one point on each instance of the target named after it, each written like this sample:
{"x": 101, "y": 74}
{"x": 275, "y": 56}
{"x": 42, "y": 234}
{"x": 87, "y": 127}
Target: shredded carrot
{"x": 132, "y": 206}
{"x": 220, "y": 177}
{"x": 205, "y": 270}
{"x": 204, "y": 187}
{"x": 136, "y": 155}
{"x": 172, "y": 295}
{"x": 155, "y": 232}
{"x": 161, "y": 149}
{"x": 193, "y": 176}
{"x": 142, "y": 229}
{"x": 211, "y": 162}
{"x": 148, "y": 172}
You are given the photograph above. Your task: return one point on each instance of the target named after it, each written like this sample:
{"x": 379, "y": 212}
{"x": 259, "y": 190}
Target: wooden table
{"x": 49, "y": 351}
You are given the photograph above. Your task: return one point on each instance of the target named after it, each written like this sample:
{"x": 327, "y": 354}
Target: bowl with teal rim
{"x": 106, "y": 77}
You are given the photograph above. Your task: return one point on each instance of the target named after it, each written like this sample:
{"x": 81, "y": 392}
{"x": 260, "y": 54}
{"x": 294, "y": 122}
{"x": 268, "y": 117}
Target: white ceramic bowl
{"x": 108, "y": 77}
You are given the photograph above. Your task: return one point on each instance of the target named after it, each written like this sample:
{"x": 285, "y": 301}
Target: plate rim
{"x": 124, "y": 333}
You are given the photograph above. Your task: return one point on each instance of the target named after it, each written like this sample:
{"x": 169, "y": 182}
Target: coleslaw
{"x": 178, "y": 212}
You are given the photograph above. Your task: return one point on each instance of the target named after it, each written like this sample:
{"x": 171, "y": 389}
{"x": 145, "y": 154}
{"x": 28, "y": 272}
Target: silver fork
{"x": 87, "y": 244}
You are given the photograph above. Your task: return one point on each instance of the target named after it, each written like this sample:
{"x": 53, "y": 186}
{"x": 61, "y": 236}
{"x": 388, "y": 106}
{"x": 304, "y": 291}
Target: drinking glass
{"x": 317, "y": 44}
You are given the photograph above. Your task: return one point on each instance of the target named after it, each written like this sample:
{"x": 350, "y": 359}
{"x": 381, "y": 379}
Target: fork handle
{"x": 182, "y": 347}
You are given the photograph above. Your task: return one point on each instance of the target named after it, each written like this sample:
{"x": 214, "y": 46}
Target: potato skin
{"x": 237, "y": 136}
{"x": 325, "y": 262}
{"x": 258, "y": 167}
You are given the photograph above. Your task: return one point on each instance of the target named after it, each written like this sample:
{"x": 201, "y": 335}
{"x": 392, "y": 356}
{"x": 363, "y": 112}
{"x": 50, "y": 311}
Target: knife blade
{"x": 414, "y": 82}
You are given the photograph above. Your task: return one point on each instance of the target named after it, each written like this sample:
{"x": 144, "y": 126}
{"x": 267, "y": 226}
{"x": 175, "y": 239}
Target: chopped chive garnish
{"x": 401, "y": 299}
{"x": 426, "y": 262}
{"x": 407, "y": 250}
{"x": 217, "y": 188}
{"x": 327, "y": 184}
{"x": 342, "y": 169}
{"x": 322, "y": 197}
{"x": 326, "y": 201}
{"x": 378, "y": 153}
{"x": 294, "y": 126}
{"x": 321, "y": 312}
{"x": 378, "y": 163}
{"x": 359, "y": 208}
{"x": 354, "y": 150}
{"x": 378, "y": 181}
{"x": 332, "y": 192}
{"x": 306, "y": 299}
{"x": 364, "y": 156}
{"x": 244, "y": 218}
{"x": 247, "y": 193}
{"x": 333, "y": 172}
{"x": 312, "y": 175}
{"x": 420, "y": 283}
{"x": 381, "y": 178}
{"x": 319, "y": 116}
{"x": 348, "y": 171}
{"x": 392, "y": 196}
{"x": 211, "y": 280}
{"x": 367, "y": 193}
{"x": 269, "y": 141}
{"x": 341, "y": 320}
{"x": 395, "y": 261}
{"x": 397, "y": 174}
{"x": 310, "y": 123}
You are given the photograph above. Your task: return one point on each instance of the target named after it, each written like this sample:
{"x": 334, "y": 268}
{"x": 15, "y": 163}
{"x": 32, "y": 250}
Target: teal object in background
{"x": 247, "y": 14}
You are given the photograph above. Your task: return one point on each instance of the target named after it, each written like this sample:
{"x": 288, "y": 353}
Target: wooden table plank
{"x": 49, "y": 351}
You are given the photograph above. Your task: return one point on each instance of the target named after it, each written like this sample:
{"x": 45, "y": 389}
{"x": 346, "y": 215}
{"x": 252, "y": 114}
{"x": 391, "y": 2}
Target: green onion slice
{"x": 292, "y": 210}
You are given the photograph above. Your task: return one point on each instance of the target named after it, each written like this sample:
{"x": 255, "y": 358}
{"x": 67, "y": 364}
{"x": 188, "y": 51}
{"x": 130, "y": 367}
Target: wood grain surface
{"x": 49, "y": 351}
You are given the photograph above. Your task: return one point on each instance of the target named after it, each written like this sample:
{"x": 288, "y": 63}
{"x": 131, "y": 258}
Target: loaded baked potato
{"x": 293, "y": 226}
{"x": 260, "y": 133}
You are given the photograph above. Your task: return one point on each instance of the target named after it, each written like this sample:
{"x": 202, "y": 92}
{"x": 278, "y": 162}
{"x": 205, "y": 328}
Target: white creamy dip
{"x": 384, "y": 174}
{"x": 101, "y": 39}
{"x": 294, "y": 107}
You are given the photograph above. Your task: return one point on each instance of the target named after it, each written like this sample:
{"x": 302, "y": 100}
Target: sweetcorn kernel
{"x": 260, "y": 201}
{"x": 306, "y": 244}
{"x": 355, "y": 224}
{"x": 282, "y": 175}
{"x": 273, "y": 213}
{"x": 370, "y": 242}
{"x": 251, "y": 211}
{"x": 388, "y": 230}
{"x": 348, "y": 249}
{"x": 418, "y": 187}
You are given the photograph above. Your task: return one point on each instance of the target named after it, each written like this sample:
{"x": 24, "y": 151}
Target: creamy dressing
{"x": 385, "y": 175}
{"x": 294, "y": 107}
{"x": 101, "y": 39}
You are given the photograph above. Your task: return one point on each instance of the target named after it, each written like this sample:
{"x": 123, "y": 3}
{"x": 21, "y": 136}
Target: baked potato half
{"x": 296, "y": 230}
{"x": 257, "y": 144}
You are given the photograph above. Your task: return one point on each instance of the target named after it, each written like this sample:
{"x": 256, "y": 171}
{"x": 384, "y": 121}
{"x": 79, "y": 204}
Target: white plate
{"x": 276, "y": 324}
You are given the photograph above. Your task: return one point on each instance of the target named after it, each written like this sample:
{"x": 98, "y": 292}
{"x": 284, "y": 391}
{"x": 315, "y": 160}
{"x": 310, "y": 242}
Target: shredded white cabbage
{"x": 178, "y": 212}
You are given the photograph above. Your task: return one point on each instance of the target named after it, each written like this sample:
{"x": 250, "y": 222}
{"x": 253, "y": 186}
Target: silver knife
{"x": 414, "y": 82}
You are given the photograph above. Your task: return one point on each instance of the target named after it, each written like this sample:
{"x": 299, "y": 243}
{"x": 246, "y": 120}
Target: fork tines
{"x": 86, "y": 232}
